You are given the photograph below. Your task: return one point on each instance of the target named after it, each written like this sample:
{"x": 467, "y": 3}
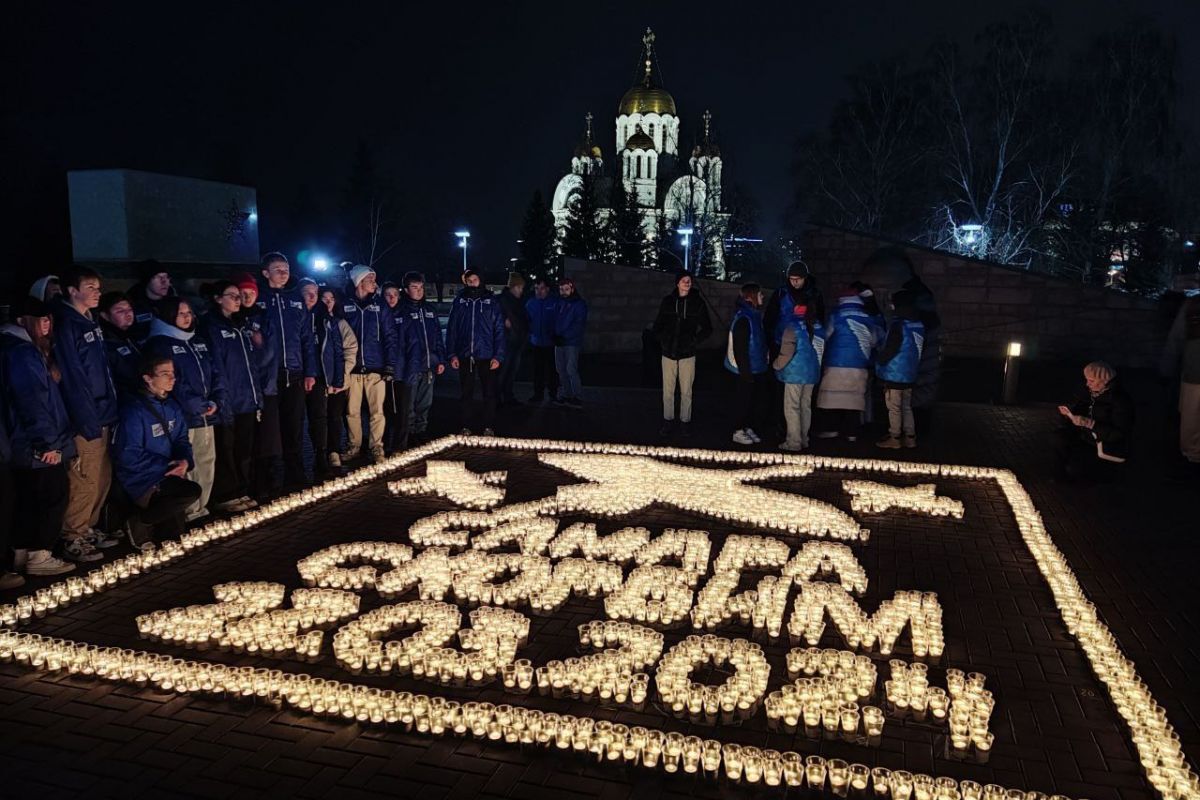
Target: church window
{"x": 639, "y": 167}
{"x": 651, "y": 131}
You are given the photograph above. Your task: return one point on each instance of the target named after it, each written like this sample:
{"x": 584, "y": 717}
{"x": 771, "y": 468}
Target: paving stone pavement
{"x": 1130, "y": 544}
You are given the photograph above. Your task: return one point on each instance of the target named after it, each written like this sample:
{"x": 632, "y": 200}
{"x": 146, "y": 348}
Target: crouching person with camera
{"x": 151, "y": 454}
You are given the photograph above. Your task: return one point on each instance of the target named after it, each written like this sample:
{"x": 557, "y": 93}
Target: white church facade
{"x": 686, "y": 195}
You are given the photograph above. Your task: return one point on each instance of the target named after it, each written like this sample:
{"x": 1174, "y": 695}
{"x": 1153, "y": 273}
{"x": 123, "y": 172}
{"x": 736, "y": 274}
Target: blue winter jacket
{"x": 421, "y": 338}
{"x": 757, "y": 343}
{"x": 266, "y": 360}
{"x": 124, "y": 360}
{"x": 150, "y": 435}
{"x": 329, "y": 348}
{"x": 805, "y": 364}
{"x": 541, "y": 320}
{"x": 476, "y": 326}
{"x": 233, "y": 358}
{"x": 899, "y": 368}
{"x": 852, "y": 334}
{"x": 375, "y": 327}
{"x": 198, "y": 379}
{"x": 287, "y": 332}
{"x": 570, "y": 320}
{"x": 35, "y": 415}
{"x": 87, "y": 384}
{"x": 6, "y": 452}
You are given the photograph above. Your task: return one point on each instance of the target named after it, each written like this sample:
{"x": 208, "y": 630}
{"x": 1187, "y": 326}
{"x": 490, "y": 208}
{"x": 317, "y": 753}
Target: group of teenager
{"x": 150, "y": 409}
{"x": 830, "y": 360}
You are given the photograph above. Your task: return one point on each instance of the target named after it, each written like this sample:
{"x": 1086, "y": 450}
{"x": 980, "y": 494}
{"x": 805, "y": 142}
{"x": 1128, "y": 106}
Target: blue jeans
{"x": 422, "y": 401}
{"x": 566, "y": 358}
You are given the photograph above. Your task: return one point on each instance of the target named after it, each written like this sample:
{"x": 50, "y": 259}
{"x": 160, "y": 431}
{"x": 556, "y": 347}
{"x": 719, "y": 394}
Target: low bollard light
{"x": 1012, "y": 369}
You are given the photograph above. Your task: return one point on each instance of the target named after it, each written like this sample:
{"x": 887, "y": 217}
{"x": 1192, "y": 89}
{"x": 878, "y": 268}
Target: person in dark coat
{"x": 570, "y": 324}
{"x": 331, "y": 377}
{"x": 1096, "y": 437}
{"x": 152, "y": 454}
{"x": 8, "y": 494}
{"x": 897, "y": 368}
{"x": 336, "y": 402}
{"x": 232, "y": 352}
{"x": 681, "y": 324}
{"x": 124, "y": 352}
{"x": 40, "y": 435}
{"x": 424, "y": 350}
{"x": 154, "y": 283}
{"x": 542, "y": 308}
{"x": 516, "y": 335}
{"x": 397, "y": 402}
{"x": 475, "y": 343}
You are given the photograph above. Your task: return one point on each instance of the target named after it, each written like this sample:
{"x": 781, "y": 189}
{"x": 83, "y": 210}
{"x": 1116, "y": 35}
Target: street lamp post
{"x": 462, "y": 242}
{"x": 686, "y": 233}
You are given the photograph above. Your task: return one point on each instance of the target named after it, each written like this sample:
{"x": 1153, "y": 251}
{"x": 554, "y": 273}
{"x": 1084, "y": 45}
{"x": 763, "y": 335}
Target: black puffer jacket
{"x": 1113, "y": 412}
{"x": 682, "y": 323}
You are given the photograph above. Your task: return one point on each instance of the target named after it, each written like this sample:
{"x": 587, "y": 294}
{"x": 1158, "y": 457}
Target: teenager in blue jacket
{"x": 798, "y": 368}
{"x": 570, "y": 322}
{"x": 287, "y": 337}
{"x": 8, "y": 578}
{"x": 746, "y": 357}
{"x": 375, "y": 329}
{"x": 897, "y": 366}
{"x": 91, "y": 399}
{"x": 232, "y": 354}
{"x": 152, "y": 454}
{"x": 542, "y": 309}
{"x": 475, "y": 343}
{"x": 852, "y": 335}
{"x": 397, "y": 402}
{"x": 331, "y": 376}
{"x": 424, "y": 350}
{"x": 199, "y": 388}
{"x": 40, "y": 435}
{"x": 124, "y": 353}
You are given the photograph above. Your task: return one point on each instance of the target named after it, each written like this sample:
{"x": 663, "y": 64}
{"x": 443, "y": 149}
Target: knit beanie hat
{"x": 245, "y": 281}
{"x": 359, "y": 272}
{"x": 30, "y": 306}
{"x": 149, "y": 268}
{"x": 798, "y": 269}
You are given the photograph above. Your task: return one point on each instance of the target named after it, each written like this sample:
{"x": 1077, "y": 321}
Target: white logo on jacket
{"x": 178, "y": 349}
{"x": 90, "y": 336}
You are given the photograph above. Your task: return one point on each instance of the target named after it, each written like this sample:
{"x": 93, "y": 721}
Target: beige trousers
{"x": 1189, "y": 421}
{"x": 89, "y": 478}
{"x": 375, "y": 389}
{"x": 797, "y": 412}
{"x": 680, "y": 371}
{"x": 204, "y": 456}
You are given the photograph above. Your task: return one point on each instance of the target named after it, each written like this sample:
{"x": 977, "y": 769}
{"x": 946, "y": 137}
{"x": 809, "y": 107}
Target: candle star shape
{"x": 452, "y": 480}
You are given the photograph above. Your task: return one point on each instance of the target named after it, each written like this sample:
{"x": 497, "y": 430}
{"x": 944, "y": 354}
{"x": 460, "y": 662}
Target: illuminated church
{"x": 687, "y": 194}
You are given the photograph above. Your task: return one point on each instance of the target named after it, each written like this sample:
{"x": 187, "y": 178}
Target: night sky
{"x": 470, "y": 107}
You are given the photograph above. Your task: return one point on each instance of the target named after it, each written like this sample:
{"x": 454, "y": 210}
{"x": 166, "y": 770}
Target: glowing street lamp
{"x": 686, "y": 233}
{"x": 320, "y": 263}
{"x": 462, "y": 242}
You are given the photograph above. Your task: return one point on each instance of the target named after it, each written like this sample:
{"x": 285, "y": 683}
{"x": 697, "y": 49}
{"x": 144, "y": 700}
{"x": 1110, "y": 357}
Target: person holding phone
{"x": 1097, "y": 431}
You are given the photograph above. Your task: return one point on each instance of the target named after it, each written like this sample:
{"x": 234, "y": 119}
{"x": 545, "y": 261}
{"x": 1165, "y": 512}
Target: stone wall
{"x": 622, "y": 302}
{"x": 984, "y": 306}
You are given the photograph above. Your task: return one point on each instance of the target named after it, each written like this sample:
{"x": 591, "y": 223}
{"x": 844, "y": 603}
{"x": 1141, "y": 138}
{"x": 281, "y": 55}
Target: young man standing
{"x": 569, "y": 325}
{"x": 330, "y": 379}
{"x": 516, "y": 336}
{"x": 289, "y": 342}
{"x": 475, "y": 342}
{"x": 682, "y": 323}
{"x": 154, "y": 285}
{"x": 542, "y": 308}
{"x": 91, "y": 399}
{"x": 424, "y": 350}
{"x": 124, "y": 354}
{"x": 372, "y": 323}
{"x": 897, "y": 366}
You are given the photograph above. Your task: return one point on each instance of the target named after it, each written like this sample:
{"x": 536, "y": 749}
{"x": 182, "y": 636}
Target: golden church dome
{"x": 640, "y": 140}
{"x": 647, "y": 99}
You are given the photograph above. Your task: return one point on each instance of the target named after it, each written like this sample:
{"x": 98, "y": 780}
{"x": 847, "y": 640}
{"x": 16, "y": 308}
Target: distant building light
{"x": 253, "y": 217}
{"x": 685, "y": 231}
{"x": 971, "y": 226}
{"x": 320, "y": 263}
{"x": 1014, "y": 349}
{"x": 1189, "y": 243}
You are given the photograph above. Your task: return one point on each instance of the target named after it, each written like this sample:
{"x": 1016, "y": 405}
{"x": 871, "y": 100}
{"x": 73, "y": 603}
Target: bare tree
{"x": 1006, "y": 165}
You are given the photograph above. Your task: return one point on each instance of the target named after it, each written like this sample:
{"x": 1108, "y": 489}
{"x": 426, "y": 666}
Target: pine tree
{"x": 583, "y": 237}
{"x": 625, "y": 231}
{"x": 537, "y": 238}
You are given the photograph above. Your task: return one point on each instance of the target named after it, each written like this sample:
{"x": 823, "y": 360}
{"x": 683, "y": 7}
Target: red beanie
{"x": 244, "y": 280}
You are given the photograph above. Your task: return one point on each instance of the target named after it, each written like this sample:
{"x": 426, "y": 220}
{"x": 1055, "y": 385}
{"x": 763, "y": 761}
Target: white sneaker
{"x": 77, "y": 549}
{"x": 246, "y": 503}
{"x": 791, "y": 448}
{"x": 42, "y": 563}
{"x": 102, "y": 540}
{"x": 195, "y": 515}
{"x": 750, "y": 432}
{"x": 335, "y": 460}
{"x": 741, "y": 437}
{"x": 230, "y": 506}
